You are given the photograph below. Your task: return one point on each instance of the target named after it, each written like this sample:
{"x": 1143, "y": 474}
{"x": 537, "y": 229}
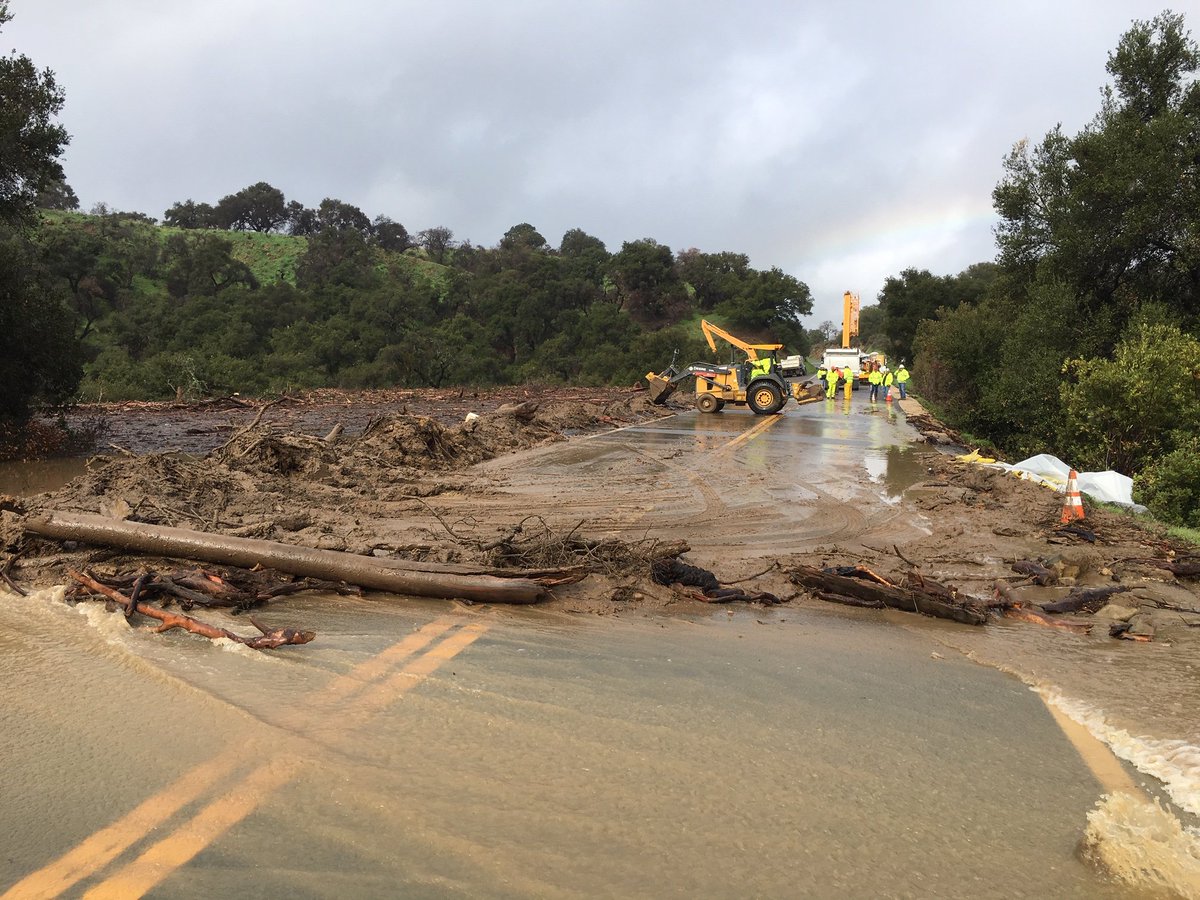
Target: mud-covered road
{"x": 624, "y": 738}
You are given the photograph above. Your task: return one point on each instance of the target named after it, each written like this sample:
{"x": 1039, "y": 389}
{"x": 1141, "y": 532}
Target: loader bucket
{"x": 807, "y": 392}
{"x": 660, "y": 388}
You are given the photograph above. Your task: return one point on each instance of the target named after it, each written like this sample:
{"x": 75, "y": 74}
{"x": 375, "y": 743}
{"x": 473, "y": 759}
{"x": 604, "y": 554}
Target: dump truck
{"x": 758, "y": 381}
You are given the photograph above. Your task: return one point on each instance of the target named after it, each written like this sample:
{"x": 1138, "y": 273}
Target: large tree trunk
{"x": 393, "y": 576}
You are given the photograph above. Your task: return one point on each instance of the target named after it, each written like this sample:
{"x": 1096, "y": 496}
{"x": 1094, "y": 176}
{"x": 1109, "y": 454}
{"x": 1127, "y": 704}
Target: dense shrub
{"x": 1170, "y": 486}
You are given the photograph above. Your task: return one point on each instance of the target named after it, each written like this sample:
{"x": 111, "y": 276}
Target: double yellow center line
{"x": 750, "y": 435}
{"x": 367, "y": 689}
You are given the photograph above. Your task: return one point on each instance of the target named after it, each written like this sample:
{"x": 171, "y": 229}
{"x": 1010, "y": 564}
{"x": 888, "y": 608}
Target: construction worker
{"x": 822, "y": 375}
{"x": 835, "y": 376}
{"x": 902, "y": 377}
{"x": 876, "y": 379}
{"x": 889, "y": 378}
{"x": 760, "y": 367}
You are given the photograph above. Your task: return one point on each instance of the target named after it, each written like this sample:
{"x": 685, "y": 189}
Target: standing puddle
{"x": 24, "y": 479}
{"x": 896, "y": 468}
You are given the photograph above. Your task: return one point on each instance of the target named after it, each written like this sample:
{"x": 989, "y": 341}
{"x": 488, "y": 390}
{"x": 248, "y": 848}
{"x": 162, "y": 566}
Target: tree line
{"x": 163, "y": 311}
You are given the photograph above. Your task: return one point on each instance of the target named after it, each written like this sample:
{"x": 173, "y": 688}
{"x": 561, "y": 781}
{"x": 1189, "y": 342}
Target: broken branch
{"x": 268, "y": 640}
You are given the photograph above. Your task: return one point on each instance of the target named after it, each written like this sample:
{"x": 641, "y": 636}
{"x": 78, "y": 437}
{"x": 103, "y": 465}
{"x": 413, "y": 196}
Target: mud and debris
{"x": 425, "y": 478}
{"x": 1000, "y": 541}
{"x": 363, "y": 492}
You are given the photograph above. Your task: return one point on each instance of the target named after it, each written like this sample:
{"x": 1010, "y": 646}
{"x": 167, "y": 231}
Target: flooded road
{"x": 758, "y": 753}
{"x": 424, "y": 749}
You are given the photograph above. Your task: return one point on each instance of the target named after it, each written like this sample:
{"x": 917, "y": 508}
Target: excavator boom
{"x": 711, "y": 331}
{"x": 850, "y": 307}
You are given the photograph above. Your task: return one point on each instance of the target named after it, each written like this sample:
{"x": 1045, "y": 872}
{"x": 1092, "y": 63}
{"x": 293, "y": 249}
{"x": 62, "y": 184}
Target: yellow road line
{"x": 1096, "y": 756}
{"x": 102, "y": 847}
{"x": 184, "y": 843}
{"x": 414, "y": 673}
{"x": 181, "y": 846}
{"x": 105, "y": 845}
{"x": 377, "y": 666}
{"x": 751, "y": 434}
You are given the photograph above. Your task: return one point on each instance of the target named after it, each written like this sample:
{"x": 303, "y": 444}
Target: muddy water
{"x": 1142, "y": 705}
{"x": 23, "y": 479}
{"x": 782, "y": 753}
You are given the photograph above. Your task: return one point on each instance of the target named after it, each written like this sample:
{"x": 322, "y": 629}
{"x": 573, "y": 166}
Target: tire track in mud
{"x": 689, "y": 491}
{"x": 682, "y": 500}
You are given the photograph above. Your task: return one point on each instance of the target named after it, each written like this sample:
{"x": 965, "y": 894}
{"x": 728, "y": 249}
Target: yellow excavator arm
{"x": 850, "y": 307}
{"x": 711, "y": 331}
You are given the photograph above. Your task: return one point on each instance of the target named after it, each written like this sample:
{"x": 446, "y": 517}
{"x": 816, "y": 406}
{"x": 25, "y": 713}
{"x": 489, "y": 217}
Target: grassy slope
{"x": 271, "y": 257}
{"x": 275, "y": 257}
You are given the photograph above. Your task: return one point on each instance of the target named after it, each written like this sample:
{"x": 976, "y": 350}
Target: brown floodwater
{"x": 24, "y": 479}
{"x": 749, "y": 753}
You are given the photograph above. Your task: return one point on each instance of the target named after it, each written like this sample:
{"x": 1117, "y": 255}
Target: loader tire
{"x": 765, "y": 398}
{"x": 709, "y": 403}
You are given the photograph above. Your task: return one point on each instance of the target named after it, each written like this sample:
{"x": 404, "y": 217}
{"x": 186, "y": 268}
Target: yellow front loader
{"x": 757, "y": 382}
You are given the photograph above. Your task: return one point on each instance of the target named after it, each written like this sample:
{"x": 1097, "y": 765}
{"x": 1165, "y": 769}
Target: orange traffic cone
{"x": 1073, "y": 505}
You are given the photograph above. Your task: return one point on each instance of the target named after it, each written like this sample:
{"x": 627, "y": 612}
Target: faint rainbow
{"x": 902, "y": 227}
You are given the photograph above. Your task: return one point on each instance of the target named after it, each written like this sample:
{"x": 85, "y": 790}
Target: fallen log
{"x": 859, "y": 572}
{"x": 330, "y": 565}
{"x": 918, "y": 582}
{"x": 850, "y": 601}
{"x": 1036, "y": 571}
{"x": 1078, "y": 531}
{"x": 1012, "y": 608}
{"x": 1002, "y": 597}
{"x": 1183, "y": 568}
{"x": 1121, "y": 631}
{"x": 269, "y": 639}
{"x": 1086, "y": 599}
{"x": 906, "y": 598}
{"x": 7, "y": 579}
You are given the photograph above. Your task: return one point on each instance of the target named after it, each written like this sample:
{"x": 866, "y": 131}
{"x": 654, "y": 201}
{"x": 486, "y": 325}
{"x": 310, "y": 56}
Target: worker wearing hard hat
{"x": 835, "y": 375}
{"x": 875, "y": 379}
{"x": 889, "y": 379}
{"x": 902, "y": 377}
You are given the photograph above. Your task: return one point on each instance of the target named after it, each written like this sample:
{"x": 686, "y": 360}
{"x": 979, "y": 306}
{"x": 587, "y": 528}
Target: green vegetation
{"x": 1190, "y": 535}
{"x": 167, "y": 311}
{"x": 37, "y": 361}
{"x": 1170, "y": 486}
{"x": 1082, "y": 338}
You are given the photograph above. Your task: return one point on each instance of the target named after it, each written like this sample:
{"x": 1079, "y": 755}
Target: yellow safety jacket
{"x": 876, "y": 377}
{"x": 902, "y": 375}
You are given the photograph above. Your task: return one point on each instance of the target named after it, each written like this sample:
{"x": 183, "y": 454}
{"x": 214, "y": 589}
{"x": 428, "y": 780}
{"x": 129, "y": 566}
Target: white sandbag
{"x": 1107, "y": 487}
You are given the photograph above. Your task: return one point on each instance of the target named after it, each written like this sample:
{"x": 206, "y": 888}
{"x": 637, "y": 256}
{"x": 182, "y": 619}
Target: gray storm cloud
{"x": 841, "y": 145}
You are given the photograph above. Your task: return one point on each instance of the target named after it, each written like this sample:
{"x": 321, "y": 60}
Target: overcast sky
{"x": 842, "y": 142}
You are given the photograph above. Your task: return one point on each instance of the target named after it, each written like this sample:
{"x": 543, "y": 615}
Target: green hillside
{"x": 168, "y": 311}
